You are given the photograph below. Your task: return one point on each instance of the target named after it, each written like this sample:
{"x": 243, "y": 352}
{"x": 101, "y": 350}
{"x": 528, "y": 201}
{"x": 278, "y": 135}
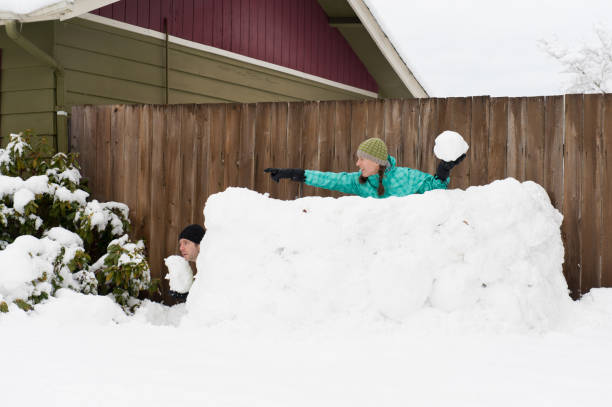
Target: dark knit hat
{"x": 195, "y": 233}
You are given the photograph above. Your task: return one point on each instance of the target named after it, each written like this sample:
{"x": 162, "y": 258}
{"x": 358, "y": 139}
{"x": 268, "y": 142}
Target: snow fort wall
{"x": 491, "y": 252}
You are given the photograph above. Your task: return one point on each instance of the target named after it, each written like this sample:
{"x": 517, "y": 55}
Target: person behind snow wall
{"x": 189, "y": 245}
{"x": 378, "y": 175}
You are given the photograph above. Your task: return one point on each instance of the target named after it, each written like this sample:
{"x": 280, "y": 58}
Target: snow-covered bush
{"x": 124, "y": 271}
{"x": 50, "y": 233}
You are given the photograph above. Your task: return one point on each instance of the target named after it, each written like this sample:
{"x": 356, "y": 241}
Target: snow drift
{"x": 492, "y": 253}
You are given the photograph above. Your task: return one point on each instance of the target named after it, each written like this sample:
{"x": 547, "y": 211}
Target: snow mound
{"x": 24, "y": 260}
{"x": 490, "y": 253}
{"x": 449, "y": 146}
{"x": 179, "y": 274}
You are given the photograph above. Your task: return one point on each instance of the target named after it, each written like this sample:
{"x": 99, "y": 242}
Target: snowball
{"x": 179, "y": 274}
{"x": 449, "y": 146}
{"x": 324, "y": 260}
{"x": 21, "y": 199}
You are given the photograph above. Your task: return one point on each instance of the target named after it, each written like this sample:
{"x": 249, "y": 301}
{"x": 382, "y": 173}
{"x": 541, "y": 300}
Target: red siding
{"x": 290, "y": 33}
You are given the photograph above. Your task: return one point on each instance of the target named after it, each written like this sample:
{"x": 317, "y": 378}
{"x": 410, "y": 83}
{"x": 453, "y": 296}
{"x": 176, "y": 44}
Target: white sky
{"x": 488, "y": 47}
{"x": 24, "y": 6}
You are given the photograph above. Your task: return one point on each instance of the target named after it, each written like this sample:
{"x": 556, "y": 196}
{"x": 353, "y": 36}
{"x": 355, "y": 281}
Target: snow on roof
{"x": 42, "y": 10}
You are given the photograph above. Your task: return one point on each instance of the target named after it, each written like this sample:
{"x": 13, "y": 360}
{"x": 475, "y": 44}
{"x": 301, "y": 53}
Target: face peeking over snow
{"x": 189, "y": 250}
{"x": 367, "y": 167}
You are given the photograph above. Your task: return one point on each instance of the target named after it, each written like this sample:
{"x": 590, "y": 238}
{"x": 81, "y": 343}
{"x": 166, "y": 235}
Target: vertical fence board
{"x": 202, "y": 114}
{"x": 393, "y": 128}
{"x": 116, "y": 157}
{"x": 198, "y": 179}
{"x": 429, "y": 132}
{"x": 247, "y": 146}
{"x": 263, "y": 154}
{"x": 232, "y": 145}
{"x": 591, "y": 209}
{"x": 310, "y": 143}
{"x": 279, "y": 146}
{"x": 157, "y": 211}
{"x": 274, "y": 188}
{"x": 571, "y": 184}
{"x": 459, "y": 113}
{"x": 76, "y": 132}
{"x": 498, "y": 139}
{"x": 478, "y": 154}
{"x": 103, "y": 133}
{"x": 516, "y": 138}
{"x": 533, "y": 131}
{"x": 358, "y": 128}
{"x": 215, "y": 163}
{"x": 326, "y": 130}
{"x": 141, "y": 226}
{"x": 375, "y": 119}
{"x": 188, "y": 158}
{"x": 342, "y": 157}
{"x": 294, "y": 143}
{"x": 131, "y": 162}
{"x": 88, "y": 146}
{"x": 553, "y": 149}
{"x": 606, "y": 278}
{"x": 411, "y": 133}
{"x": 172, "y": 179}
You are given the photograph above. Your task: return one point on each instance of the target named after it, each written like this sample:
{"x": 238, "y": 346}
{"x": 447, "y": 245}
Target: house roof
{"x": 41, "y": 10}
{"x": 362, "y": 31}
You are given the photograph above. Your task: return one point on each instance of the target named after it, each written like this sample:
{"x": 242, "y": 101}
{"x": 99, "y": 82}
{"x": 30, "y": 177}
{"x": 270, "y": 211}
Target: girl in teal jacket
{"x": 378, "y": 177}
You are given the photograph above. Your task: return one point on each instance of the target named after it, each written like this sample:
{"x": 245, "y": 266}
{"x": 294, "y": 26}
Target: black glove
{"x": 444, "y": 168}
{"x": 180, "y": 297}
{"x": 295, "y": 174}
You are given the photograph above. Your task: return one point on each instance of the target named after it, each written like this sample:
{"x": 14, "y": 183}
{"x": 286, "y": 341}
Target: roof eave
{"x": 387, "y": 49}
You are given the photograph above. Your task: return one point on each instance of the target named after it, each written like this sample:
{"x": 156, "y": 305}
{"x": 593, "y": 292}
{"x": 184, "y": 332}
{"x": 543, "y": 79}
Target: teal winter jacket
{"x": 398, "y": 181}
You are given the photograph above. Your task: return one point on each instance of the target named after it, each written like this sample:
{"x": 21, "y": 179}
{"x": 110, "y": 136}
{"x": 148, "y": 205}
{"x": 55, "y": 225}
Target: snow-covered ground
{"x": 447, "y": 298}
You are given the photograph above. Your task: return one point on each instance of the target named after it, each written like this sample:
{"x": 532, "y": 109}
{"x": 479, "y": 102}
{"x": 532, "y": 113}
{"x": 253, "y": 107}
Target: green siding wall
{"x": 107, "y": 65}
{"x": 27, "y": 91}
{"x": 110, "y": 64}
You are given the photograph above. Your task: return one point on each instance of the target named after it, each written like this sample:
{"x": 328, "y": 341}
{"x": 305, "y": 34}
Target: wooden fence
{"x": 164, "y": 161}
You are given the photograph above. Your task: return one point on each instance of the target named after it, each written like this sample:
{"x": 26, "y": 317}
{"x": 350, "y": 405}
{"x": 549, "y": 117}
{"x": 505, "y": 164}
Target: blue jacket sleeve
{"x": 346, "y": 182}
{"x": 431, "y": 182}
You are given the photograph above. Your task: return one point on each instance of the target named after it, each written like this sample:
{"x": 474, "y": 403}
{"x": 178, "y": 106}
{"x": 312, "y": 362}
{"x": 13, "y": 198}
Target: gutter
{"x": 62, "y": 116}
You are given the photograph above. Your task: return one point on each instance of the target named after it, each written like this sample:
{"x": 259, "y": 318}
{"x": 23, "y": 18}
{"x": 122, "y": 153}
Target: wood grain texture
{"x": 606, "y": 263}
{"x": 478, "y": 154}
{"x": 572, "y": 176}
{"x": 591, "y": 222}
{"x": 164, "y": 161}
{"x": 498, "y": 139}
{"x": 553, "y": 149}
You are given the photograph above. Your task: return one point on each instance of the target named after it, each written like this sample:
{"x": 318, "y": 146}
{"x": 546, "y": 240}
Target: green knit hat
{"x": 374, "y": 149}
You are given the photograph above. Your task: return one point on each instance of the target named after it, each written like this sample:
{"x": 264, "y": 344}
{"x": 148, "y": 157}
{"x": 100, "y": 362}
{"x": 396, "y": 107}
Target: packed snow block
{"x": 492, "y": 252}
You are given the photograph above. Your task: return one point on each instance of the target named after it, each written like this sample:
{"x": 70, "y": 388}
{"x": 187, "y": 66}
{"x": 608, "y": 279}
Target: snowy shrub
{"x": 124, "y": 272}
{"x": 46, "y": 200}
